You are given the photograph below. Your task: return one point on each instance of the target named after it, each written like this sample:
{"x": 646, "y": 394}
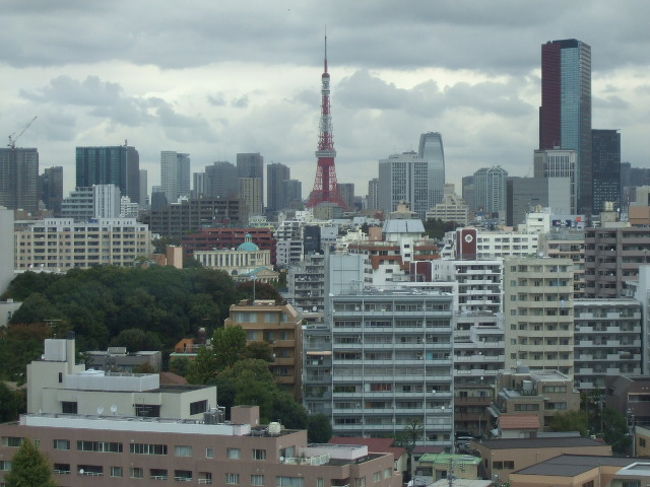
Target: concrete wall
{"x": 6, "y": 248}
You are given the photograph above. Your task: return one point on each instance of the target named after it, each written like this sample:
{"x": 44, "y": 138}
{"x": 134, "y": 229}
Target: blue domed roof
{"x": 248, "y": 244}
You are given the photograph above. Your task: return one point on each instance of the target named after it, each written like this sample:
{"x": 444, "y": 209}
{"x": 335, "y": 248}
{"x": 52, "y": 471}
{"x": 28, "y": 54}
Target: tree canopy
{"x": 100, "y": 303}
{"x": 29, "y": 468}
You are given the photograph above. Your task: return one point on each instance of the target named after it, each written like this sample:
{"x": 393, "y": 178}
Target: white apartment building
{"x": 567, "y": 244}
{"x": 306, "y": 283}
{"x": 128, "y": 209}
{"x": 391, "y": 363}
{"x": 494, "y": 244}
{"x": 538, "y": 308}
{"x": 607, "y": 340}
{"x": 59, "y": 244}
{"x": 106, "y": 201}
{"x": 289, "y": 243}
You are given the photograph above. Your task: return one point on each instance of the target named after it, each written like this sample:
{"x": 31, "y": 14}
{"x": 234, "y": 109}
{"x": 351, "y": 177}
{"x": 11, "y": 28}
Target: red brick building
{"x": 228, "y": 238}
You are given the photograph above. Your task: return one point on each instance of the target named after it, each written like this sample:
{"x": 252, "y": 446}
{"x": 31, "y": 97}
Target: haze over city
{"x": 213, "y": 79}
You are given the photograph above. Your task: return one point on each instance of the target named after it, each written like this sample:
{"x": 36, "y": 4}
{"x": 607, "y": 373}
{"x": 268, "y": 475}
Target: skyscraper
{"x": 250, "y": 171}
{"x": 51, "y": 189}
{"x": 174, "y": 174}
{"x": 292, "y": 197}
{"x": 19, "y": 178}
{"x": 559, "y": 163}
{"x": 606, "y": 164}
{"x": 404, "y": 178}
{"x": 431, "y": 150}
{"x": 276, "y": 174}
{"x": 118, "y": 165}
{"x": 372, "y": 202}
{"x": 220, "y": 180}
{"x": 346, "y": 191}
{"x": 144, "y": 189}
{"x": 565, "y": 113}
{"x": 490, "y": 191}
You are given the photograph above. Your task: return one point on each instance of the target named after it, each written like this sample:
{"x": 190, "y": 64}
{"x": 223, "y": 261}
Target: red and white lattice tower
{"x": 326, "y": 189}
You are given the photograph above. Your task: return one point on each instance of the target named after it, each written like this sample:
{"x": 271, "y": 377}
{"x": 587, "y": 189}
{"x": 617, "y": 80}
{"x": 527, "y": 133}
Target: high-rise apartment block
{"x": 565, "y": 112}
{"x": 51, "y": 189}
{"x": 276, "y": 175}
{"x": 19, "y": 178}
{"x": 404, "y": 178}
{"x": 372, "y": 202}
{"x": 431, "y": 150}
{"x": 250, "y": 171}
{"x": 559, "y": 163}
{"x": 608, "y": 337}
{"x": 538, "y": 306}
{"x": 60, "y": 244}
{"x": 292, "y": 193}
{"x": 490, "y": 192}
{"x": 606, "y": 157}
{"x": 118, "y": 165}
{"x": 174, "y": 174}
{"x": 346, "y": 191}
{"x": 106, "y": 201}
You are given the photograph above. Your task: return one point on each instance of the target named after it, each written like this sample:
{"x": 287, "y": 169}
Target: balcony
{"x": 472, "y": 401}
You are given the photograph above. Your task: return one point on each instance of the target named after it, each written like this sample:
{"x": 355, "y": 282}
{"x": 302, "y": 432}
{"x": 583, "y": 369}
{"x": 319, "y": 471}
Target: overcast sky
{"x": 214, "y": 78}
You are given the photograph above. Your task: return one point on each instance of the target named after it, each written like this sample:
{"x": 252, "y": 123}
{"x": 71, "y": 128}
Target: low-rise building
{"x": 116, "y": 359}
{"x": 502, "y": 457}
{"x": 56, "y": 384}
{"x": 7, "y": 310}
{"x": 246, "y": 258}
{"x": 124, "y": 451}
{"x": 452, "y": 209}
{"x": 281, "y": 327}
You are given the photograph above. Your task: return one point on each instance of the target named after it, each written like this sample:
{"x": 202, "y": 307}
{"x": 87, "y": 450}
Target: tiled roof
{"x": 518, "y": 421}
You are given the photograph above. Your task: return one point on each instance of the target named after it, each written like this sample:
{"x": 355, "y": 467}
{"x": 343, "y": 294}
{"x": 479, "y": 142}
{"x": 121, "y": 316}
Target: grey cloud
{"x": 495, "y": 36}
{"x": 109, "y": 101}
{"x": 217, "y": 100}
{"x": 612, "y": 102}
{"x": 364, "y": 91}
{"x": 241, "y": 102}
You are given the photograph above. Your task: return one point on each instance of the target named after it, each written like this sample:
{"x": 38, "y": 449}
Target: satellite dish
{"x": 81, "y": 471}
{"x": 100, "y": 410}
{"x": 114, "y": 408}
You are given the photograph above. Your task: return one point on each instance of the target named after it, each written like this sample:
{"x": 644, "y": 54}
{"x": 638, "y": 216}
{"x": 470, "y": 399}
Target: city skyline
{"x": 481, "y": 96}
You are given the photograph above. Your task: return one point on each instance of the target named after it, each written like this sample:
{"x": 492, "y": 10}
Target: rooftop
{"x": 446, "y": 458}
{"x": 403, "y": 226}
{"x": 508, "y": 444}
{"x": 518, "y": 421}
{"x": 572, "y": 465}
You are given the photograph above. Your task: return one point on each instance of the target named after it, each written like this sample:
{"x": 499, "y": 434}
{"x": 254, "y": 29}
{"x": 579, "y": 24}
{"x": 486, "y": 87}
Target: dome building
{"x": 246, "y": 259}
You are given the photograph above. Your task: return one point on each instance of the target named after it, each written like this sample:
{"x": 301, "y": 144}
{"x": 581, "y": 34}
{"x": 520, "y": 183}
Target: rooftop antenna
{"x": 325, "y": 58}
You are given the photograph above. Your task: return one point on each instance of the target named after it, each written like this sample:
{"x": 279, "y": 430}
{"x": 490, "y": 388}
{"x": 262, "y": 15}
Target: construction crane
{"x": 13, "y": 137}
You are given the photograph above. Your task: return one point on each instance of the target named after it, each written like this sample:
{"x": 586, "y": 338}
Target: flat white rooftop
{"x": 136, "y": 424}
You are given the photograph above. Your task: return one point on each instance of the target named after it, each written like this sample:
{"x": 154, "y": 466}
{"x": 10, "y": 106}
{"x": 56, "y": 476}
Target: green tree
{"x": 259, "y": 350}
{"x": 437, "y": 228}
{"x": 29, "y": 468}
{"x": 407, "y": 439}
{"x": 262, "y": 291}
{"x": 570, "y": 421}
{"x": 228, "y": 345}
{"x": 36, "y": 309}
{"x": 12, "y": 403}
{"x": 615, "y": 431}
{"x": 203, "y": 369}
{"x": 319, "y": 428}
{"x": 136, "y": 340}
{"x": 180, "y": 366}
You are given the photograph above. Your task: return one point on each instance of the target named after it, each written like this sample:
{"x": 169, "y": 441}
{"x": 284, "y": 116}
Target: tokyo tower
{"x": 325, "y": 187}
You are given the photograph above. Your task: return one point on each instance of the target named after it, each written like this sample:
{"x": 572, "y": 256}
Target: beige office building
{"x": 538, "y": 306}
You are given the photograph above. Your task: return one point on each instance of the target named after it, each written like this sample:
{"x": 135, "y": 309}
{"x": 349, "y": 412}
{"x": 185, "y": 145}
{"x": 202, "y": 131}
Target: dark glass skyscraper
{"x": 276, "y": 175}
{"x": 565, "y": 113}
{"x": 606, "y": 156}
{"x": 118, "y": 165}
{"x": 19, "y": 178}
{"x": 51, "y": 189}
{"x": 430, "y": 149}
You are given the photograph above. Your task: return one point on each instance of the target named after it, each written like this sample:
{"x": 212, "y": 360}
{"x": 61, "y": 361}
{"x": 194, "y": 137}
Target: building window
{"x": 183, "y": 475}
{"x": 508, "y": 465}
{"x": 183, "y": 451}
{"x": 642, "y": 442}
{"x": 13, "y": 441}
{"x": 497, "y": 465}
{"x": 198, "y": 407}
{"x": 5, "y": 466}
{"x": 117, "y": 472}
{"x": 90, "y": 470}
{"x": 136, "y": 473}
{"x": 233, "y": 453}
{"x": 147, "y": 410}
{"x": 209, "y": 453}
{"x": 257, "y": 480}
{"x": 590, "y": 484}
{"x": 259, "y": 454}
{"x": 158, "y": 473}
{"x": 100, "y": 446}
{"x": 147, "y": 449}
{"x": 282, "y": 481}
{"x": 61, "y": 444}
{"x": 69, "y": 407}
{"x": 232, "y": 478}
{"x": 61, "y": 468}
